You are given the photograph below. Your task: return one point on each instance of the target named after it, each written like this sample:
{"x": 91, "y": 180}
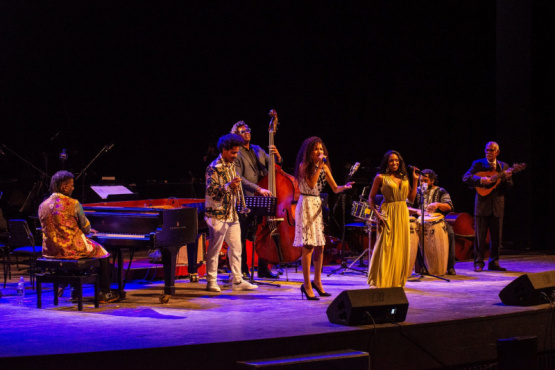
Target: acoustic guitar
{"x": 484, "y": 190}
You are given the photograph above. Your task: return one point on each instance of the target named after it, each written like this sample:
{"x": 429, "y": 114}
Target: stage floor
{"x": 194, "y": 317}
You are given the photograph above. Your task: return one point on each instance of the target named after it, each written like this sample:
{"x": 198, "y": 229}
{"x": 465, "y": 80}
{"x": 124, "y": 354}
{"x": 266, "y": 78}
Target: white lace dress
{"x": 309, "y": 222}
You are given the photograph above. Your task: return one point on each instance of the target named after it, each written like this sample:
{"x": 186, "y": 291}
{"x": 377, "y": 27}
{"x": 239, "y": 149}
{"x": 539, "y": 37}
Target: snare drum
{"x": 436, "y": 244}
{"x": 361, "y": 210}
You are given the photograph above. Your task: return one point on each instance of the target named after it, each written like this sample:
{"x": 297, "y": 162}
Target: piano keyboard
{"x": 122, "y": 236}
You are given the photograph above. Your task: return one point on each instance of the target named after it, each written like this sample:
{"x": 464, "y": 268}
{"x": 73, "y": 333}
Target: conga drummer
{"x": 437, "y": 202}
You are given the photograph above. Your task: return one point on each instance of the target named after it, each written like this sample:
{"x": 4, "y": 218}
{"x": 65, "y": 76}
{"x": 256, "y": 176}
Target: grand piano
{"x": 165, "y": 224}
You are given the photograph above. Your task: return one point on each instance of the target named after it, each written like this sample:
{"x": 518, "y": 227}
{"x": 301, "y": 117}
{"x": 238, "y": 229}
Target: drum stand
{"x": 343, "y": 265}
{"x": 368, "y": 249}
{"x": 421, "y": 252}
{"x": 260, "y": 206}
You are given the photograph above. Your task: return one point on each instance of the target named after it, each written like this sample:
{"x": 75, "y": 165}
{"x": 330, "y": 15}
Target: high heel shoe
{"x": 320, "y": 293}
{"x": 303, "y": 293}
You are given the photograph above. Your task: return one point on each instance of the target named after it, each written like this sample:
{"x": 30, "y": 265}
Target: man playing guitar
{"x": 489, "y": 208}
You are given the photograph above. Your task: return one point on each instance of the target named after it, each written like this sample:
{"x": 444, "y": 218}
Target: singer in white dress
{"x": 312, "y": 171}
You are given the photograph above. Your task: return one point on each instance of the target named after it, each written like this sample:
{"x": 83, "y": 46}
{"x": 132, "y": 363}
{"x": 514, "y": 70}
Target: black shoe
{"x": 267, "y": 274}
{"x": 478, "y": 267}
{"x": 108, "y": 297}
{"x": 320, "y": 293}
{"x": 193, "y": 277}
{"x": 494, "y": 266}
{"x": 304, "y": 293}
{"x": 451, "y": 271}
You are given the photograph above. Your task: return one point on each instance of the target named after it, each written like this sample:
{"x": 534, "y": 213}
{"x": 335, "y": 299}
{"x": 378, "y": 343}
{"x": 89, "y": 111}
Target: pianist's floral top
{"x": 64, "y": 226}
{"x": 220, "y": 199}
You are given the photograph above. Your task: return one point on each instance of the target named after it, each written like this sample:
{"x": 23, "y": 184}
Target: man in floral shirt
{"x": 64, "y": 229}
{"x": 222, "y": 187}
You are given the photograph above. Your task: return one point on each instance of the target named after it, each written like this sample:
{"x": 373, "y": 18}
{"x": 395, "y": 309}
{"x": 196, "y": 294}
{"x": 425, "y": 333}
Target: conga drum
{"x": 435, "y": 244}
{"x": 413, "y": 245}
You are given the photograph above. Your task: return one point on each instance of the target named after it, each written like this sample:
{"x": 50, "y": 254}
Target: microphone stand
{"x": 37, "y": 186}
{"x": 420, "y": 255}
{"x": 343, "y": 266}
{"x": 103, "y": 150}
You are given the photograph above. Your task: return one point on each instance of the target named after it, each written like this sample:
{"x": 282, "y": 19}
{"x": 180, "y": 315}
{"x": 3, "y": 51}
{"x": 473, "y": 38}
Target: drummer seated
{"x": 437, "y": 201}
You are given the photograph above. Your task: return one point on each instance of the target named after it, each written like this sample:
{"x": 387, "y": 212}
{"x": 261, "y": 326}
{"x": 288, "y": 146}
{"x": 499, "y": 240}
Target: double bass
{"x": 275, "y": 234}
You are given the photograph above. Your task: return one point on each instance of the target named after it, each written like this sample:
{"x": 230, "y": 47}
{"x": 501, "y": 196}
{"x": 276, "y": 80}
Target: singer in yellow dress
{"x": 390, "y": 257}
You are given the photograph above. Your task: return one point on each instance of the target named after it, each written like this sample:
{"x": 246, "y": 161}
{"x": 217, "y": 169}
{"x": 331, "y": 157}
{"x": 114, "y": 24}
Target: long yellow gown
{"x": 390, "y": 257}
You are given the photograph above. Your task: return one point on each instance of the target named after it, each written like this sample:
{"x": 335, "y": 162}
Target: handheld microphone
{"x": 411, "y": 168}
{"x": 324, "y": 160}
{"x": 355, "y": 167}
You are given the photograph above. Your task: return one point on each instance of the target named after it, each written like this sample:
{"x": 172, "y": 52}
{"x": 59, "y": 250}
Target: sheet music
{"x": 104, "y": 191}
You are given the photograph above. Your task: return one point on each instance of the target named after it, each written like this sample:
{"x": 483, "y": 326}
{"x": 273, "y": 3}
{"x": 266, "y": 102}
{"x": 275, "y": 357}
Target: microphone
{"x": 63, "y": 155}
{"x": 424, "y": 187}
{"x": 324, "y": 160}
{"x": 354, "y": 169}
{"x": 108, "y": 147}
{"x": 411, "y": 168}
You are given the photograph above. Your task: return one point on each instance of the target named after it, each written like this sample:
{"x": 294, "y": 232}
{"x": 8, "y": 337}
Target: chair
{"x": 3, "y": 240}
{"x": 4, "y": 252}
{"x": 21, "y": 243}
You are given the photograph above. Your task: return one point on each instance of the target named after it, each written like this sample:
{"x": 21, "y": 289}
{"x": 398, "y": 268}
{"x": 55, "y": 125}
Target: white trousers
{"x": 230, "y": 232}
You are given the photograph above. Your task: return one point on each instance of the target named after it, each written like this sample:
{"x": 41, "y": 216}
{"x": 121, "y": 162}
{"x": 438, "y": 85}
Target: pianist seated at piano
{"x": 223, "y": 186}
{"x": 64, "y": 229}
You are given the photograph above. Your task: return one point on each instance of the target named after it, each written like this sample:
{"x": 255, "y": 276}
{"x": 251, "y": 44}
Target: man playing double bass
{"x": 252, "y": 165}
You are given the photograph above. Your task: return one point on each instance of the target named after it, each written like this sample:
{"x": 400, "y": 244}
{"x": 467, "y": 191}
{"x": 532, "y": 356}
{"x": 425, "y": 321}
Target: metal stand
{"x": 102, "y": 151}
{"x": 420, "y": 255}
{"x": 369, "y": 224}
{"x": 260, "y": 206}
{"x": 33, "y": 196}
{"x": 343, "y": 266}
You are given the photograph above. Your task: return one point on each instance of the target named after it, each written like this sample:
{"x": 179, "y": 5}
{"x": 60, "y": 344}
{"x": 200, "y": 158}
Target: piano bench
{"x": 73, "y": 272}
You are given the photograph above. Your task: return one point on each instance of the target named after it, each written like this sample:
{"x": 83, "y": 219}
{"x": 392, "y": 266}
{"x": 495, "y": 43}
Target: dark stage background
{"x": 435, "y": 80}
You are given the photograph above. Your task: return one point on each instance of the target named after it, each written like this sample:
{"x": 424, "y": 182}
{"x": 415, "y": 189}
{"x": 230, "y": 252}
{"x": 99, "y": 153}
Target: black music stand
{"x": 259, "y": 206}
{"x": 422, "y": 250}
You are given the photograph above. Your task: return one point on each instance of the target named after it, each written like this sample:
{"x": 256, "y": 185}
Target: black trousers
{"x": 105, "y": 274}
{"x": 495, "y": 227}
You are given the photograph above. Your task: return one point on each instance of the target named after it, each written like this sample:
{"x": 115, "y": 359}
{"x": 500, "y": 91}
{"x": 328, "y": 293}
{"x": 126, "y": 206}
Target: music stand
{"x": 259, "y": 206}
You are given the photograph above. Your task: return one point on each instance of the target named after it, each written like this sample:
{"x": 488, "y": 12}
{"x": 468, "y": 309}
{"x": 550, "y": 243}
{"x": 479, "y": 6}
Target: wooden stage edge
{"x": 455, "y": 325}
{"x": 459, "y": 344}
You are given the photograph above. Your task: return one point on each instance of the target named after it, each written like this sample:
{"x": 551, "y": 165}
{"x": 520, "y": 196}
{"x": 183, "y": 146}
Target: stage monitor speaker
{"x": 369, "y": 306}
{"x": 529, "y": 289}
